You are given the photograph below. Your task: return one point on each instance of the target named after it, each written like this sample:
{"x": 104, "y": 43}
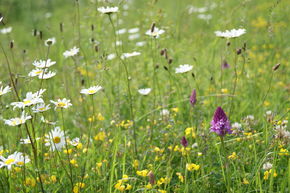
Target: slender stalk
{"x": 67, "y": 152}
{"x": 234, "y": 84}
{"x": 89, "y": 139}
{"x": 128, "y": 88}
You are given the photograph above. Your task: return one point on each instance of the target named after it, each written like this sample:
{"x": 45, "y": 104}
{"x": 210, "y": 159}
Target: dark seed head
{"x": 61, "y": 27}
{"x": 35, "y": 32}
{"x": 40, "y": 35}
{"x": 11, "y": 44}
{"x": 239, "y": 51}
{"x": 245, "y": 46}
{"x": 152, "y": 27}
{"x": 276, "y": 67}
{"x": 96, "y": 48}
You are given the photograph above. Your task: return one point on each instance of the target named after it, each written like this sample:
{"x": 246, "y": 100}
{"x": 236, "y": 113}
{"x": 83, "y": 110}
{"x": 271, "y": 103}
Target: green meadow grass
{"x": 126, "y": 143}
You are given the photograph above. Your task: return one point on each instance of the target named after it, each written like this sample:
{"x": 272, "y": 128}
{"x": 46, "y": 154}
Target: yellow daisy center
{"x": 27, "y": 102}
{"x": 9, "y": 161}
{"x": 20, "y": 163}
{"x": 61, "y": 104}
{"x": 38, "y": 72}
{"x": 91, "y": 91}
{"x": 56, "y": 139}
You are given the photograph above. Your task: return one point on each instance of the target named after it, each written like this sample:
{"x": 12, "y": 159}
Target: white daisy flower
{"x": 55, "y": 139}
{"x": 144, "y": 91}
{"x": 155, "y": 33}
{"x": 269, "y": 113}
{"x": 92, "y": 90}
{"x": 108, "y": 10}
{"x": 72, "y": 52}
{"x": 50, "y": 41}
{"x": 18, "y": 120}
{"x": 230, "y": 33}
{"x": 16, "y": 158}
{"x": 27, "y": 141}
{"x": 6, "y": 30}
{"x": 140, "y": 44}
{"x": 164, "y": 112}
{"x": 39, "y": 108}
{"x": 119, "y": 43}
{"x": 61, "y": 103}
{"x": 121, "y": 31}
{"x": 43, "y": 64}
{"x": 47, "y": 75}
{"x": 30, "y": 99}
{"x": 133, "y": 30}
{"x": 267, "y": 166}
{"x": 204, "y": 16}
{"x": 183, "y": 68}
{"x": 4, "y": 90}
{"x": 236, "y": 126}
{"x": 36, "y": 72}
{"x": 128, "y": 55}
{"x": 134, "y": 36}
{"x": 193, "y": 9}
{"x": 1, "y": 18}
{"x": 111, "y": 56}
{"x": 75, "y": 141}
{"x": 250, "y": 118}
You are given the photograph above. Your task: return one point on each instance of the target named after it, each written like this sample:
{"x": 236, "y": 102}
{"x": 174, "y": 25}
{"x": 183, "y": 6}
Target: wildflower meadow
{"x": 154, "y": 96}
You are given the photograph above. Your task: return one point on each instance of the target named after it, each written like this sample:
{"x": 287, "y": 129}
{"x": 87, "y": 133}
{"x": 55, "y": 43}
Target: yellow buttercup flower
{"x": 191, "y": 166}
{"x": 135, "y": 164}
{"x": 142, "y": 173}
{"x": 233, "y": 156}
{"x": 100, "y": 136}
{"x": 180, "y": 177}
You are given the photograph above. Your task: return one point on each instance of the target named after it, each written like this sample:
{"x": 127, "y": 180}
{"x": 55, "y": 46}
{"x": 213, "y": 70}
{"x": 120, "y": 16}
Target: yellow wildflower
{"x": 142, "y": 173}
{"x": 233, "y": 156}
{"x": 283, "y": 152}
{"x": 135, "y": 164}
{"x": 189, "y": 132}
{"x": 191, "y": 166}
{"x": 30, "y": 182}
{"x": 53, "y": 178}
{"x": 148, "y": 186}
{"x": 180, "y": 177}
{"x": 100, "y": 136}
{"x": 245, "y": 181}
